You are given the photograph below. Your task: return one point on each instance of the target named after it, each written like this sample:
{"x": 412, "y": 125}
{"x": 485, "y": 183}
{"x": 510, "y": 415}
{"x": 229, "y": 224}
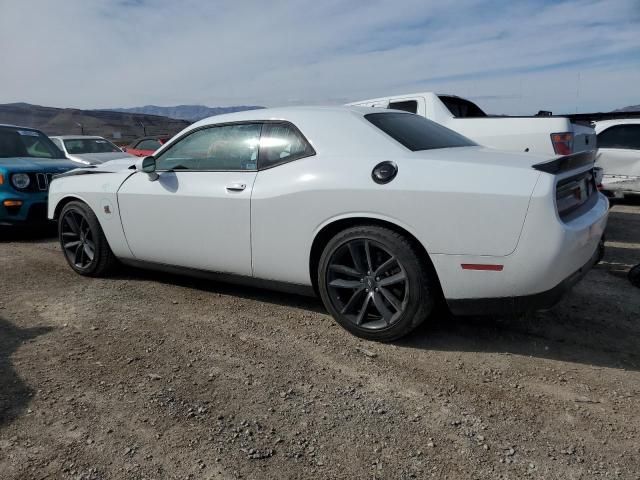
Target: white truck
{"x": 542, "y": 134}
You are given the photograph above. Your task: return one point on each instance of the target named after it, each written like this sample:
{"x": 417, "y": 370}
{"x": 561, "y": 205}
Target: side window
{"x": 148, "y": 145}
{"x": 620, "y": 136}
{"x": 281, "y": 143}
{"x": 410, "y": 106}
{"x": 225, "y": 148}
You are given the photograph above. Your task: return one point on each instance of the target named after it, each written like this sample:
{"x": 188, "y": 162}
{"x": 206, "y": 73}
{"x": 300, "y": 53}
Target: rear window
{"x": 461, "y": 108}
{"x": 416, "y": 132}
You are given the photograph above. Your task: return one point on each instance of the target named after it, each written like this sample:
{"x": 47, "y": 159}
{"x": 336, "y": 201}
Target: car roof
{"x": 601, "y": 125}
{"x": 287, "y": 113}
{"x": 17, "y": 127}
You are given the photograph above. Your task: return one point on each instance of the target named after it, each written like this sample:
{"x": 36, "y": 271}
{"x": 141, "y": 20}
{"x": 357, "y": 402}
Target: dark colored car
{"x": 28, "y": 161}
{"x": 144, "y": 146}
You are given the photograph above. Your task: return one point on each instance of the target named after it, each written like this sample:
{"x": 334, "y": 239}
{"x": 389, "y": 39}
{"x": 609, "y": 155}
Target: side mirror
{"x": 148, "y": 165}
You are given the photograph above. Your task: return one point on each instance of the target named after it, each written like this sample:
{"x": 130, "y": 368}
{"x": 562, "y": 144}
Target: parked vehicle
{"x": 88, "y": 150}
{"x": 145, "y": 146}
{"x": 379, "y": 212}
{"x": 28, "y": 160}
{"x": 540, "y": 134}
{"x": 619, "y": 155}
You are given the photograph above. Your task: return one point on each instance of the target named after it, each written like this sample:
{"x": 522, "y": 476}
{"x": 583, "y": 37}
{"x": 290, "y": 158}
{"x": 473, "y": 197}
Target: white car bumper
{"x": 550, "y": 258}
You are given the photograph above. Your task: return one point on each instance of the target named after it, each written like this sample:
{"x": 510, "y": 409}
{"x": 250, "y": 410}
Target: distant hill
{"x": 191, "y": 113}
{"x": 118, "y": 126}
{"x": 631, "y": 108}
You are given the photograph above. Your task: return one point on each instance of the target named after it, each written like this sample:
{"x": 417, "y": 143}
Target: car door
{"x": 619, "y": 150}
{"x": 197, "y": 212}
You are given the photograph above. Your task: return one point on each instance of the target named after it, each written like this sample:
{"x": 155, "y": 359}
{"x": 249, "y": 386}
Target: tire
{"x": 88, "y": 252}
{"x": 634, "y": 276}
{"x": 375, "y": 284}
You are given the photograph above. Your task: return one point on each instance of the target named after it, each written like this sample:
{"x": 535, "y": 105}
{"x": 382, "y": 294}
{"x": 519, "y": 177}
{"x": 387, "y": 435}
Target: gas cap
{"x": 384, "y": 172}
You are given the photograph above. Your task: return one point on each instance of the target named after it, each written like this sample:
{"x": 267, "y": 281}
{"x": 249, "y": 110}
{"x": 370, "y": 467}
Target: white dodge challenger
{"x": 381, "y": 213}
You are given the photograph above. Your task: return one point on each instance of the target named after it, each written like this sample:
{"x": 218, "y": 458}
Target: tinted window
{"x": 280, "y": 143}
{"x": 27, "y": 143}
{"x": 228, "y": 147}
{"x": 410, "y": 106}
{"x": 416, "y": 132}
{"x": 148, "y": 145}
{"x": 620, "y": 136}
{"x": 461, "y": 108}
{"x": 89, "y": 145}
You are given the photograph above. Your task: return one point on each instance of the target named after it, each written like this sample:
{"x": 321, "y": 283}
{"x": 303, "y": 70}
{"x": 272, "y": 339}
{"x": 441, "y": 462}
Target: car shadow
{"x": 15, "y": 394}
{"x": 284, "y": 299}
{"x": 28, "y": 233}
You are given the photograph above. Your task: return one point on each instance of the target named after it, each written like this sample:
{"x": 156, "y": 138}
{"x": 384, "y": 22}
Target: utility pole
{"x": 81, "y": 128}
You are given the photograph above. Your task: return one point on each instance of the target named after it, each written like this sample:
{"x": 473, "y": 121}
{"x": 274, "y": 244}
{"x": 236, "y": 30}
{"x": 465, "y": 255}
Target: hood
{"x": 112, "y": 166}
{"x": 96, "y": 158}
{"x": 31, "y": 164}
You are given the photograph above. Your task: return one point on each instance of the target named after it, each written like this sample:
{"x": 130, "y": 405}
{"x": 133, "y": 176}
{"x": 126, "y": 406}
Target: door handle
{"x": 236, "y": 187}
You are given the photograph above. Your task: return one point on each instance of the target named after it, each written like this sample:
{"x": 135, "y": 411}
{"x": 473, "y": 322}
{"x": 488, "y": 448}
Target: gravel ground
{"x": 147, "y": 375}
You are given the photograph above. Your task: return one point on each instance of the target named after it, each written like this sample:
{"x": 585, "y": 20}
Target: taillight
{"x": 562, "y": 143}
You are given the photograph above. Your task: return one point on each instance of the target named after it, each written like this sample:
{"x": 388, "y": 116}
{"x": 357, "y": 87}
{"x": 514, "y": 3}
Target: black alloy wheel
{"x": 374, "y": 283}
{"x": 77, "y": 239}
{"x": 83, "y": 242}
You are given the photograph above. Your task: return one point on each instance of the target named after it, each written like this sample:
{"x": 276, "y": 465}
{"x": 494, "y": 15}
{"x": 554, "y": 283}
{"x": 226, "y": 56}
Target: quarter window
{"x": 225, "y": 148}
{"x": 620, "y": 136}
{"x": 281, "y": 143}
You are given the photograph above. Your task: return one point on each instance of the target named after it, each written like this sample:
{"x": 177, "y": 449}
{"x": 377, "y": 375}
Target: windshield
{"x": 416, "y": 132}
{"x": 89, "y": 145}
{"x": 27, "y": 143}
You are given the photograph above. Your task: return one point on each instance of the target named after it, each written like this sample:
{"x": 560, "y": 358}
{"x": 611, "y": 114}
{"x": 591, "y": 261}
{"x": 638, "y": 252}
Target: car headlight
{"x": 20, "y": 180}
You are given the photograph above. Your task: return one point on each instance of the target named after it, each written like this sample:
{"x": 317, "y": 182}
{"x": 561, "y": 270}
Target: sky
{"x": 512, "y": 57}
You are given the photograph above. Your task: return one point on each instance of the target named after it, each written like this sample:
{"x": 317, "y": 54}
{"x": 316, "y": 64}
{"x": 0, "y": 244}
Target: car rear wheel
{"x": 83, "y": 242}
{"x": 375, "y": 284}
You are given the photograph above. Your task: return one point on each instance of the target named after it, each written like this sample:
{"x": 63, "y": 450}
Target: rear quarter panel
{"x": 450, "y": 207}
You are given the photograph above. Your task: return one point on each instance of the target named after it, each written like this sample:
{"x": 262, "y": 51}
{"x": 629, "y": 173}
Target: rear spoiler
{"x": 567, "y": 162}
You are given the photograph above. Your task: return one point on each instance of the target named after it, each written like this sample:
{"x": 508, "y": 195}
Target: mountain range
{"x": 190, "y": 113}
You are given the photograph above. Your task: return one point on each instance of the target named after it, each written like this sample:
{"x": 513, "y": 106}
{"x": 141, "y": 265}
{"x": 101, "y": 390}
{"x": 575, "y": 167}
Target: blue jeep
{"x": 28, "y": 161}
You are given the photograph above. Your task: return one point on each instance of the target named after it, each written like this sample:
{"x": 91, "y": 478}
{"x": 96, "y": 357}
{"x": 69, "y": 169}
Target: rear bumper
{"x": 551, "y": 256}
{"x": 522, "y": 304}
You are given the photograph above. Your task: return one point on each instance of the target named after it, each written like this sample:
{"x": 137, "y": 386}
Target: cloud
{"x": 514, "y": 57}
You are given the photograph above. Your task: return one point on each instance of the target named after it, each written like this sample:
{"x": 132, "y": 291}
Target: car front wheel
{"x": 375, "y": 284}
{"x": 83, "y": 242}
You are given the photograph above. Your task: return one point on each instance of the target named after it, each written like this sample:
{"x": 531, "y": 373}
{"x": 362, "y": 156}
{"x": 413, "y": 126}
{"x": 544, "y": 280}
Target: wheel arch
{"x": 330, "y": 228}
{"x": 64, "y": 201}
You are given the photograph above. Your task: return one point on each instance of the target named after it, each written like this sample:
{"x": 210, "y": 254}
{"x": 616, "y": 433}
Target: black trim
{"x": 523, "y": 304}
{"x": 306, "y": 290}
{"x": 568, "y": 162}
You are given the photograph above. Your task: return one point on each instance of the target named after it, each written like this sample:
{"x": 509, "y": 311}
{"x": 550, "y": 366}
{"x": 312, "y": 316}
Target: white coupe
{"x": 382, "y": 213}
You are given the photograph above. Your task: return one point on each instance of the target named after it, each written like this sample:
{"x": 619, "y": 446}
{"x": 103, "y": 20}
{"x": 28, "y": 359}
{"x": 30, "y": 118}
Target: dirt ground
{"x": 154, "y": 376}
